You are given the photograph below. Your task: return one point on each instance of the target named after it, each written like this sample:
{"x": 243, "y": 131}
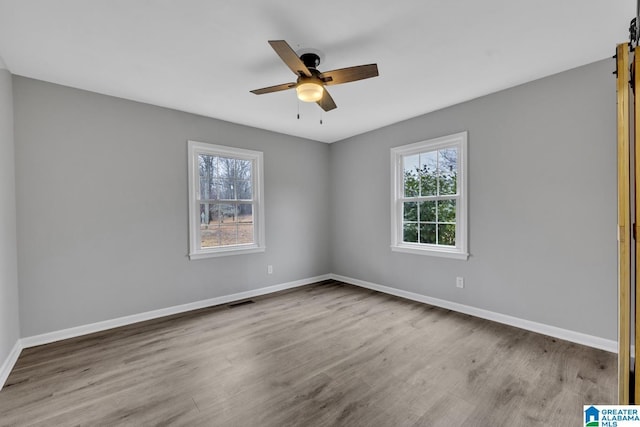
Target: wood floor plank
{"x": 327, "y": 354}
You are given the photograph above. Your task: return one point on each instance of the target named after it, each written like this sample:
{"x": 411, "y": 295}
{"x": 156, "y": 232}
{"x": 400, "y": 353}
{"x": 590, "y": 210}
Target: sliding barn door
{"x": 635, "y": 149}
{"x": 624, "y": 226}
{"x": 628, "y": 85}
{"x": 635, "y": 144}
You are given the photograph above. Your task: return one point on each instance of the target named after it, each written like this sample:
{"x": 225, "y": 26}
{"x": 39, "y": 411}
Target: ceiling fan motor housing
{"x": 311, "y": 60}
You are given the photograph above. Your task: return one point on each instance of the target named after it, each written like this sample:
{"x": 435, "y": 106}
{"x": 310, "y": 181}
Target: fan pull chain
{"x": 320, "y": 117}
{"x": 298, "y": 109}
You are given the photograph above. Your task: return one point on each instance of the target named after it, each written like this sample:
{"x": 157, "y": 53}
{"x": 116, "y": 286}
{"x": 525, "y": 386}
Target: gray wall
{"x": 542, "y": 203}
{"x": 9, "y": 324}
{"x": 102, "y": 208}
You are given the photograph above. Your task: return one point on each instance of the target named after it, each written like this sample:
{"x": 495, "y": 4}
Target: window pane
{"x": 428, "y": 233}
{"x": 226, "y": 167}
{"x": 243, "y": 169}
{"x": 228, "y": 233}
{"x": 428, "y": 211}
{"x": 448, "y": 170}
{"x": 209, "y": 237}
{"x": 447, "y": 211}
{"x": 410, "y": 211}
{"x": 227, "y": 189}
{"x": 243, "y": 190}
{"x": 245, "y": 223}
{"x": 410, "y": 232}
{"x": 228, "y": 224}
{"x": 206, "y": 214}
{"x": 216, "y": 213}
{"x": 209, "y": 189}
{"x": 410, "y": 175}
{"x": 429, "y": 173}
{"x": 227, "y": 212}
{"x": 206, "y": 187}
{"x": 447, "y": 234}
{"x": 207, "y": 166}
{"x": 225, "y": 178}
{"x": 233, "y": 172}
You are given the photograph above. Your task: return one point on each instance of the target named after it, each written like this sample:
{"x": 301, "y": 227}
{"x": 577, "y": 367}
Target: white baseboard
{"x": 77, "y": 331}
{"x": 564, "y": 334}
{"x": 577, "y": 337}
{"x": 9, "y": 362}
{"x": 50, "y": 337}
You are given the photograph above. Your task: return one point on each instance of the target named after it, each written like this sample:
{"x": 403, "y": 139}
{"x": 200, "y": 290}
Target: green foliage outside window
{"x": 430, "y": 175}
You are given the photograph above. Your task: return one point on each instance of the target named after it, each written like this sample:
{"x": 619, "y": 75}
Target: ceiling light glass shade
{"x": 309, "y": 92}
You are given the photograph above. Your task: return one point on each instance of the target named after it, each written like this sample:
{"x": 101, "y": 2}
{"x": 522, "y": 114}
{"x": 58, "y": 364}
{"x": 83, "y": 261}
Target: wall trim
{"x": 49, "y": 337}
{"x": 77, "y": 331}
{"x": 10, "y": 362}
{"x": 90, "y": 328}
{"x": 553, "y": 331}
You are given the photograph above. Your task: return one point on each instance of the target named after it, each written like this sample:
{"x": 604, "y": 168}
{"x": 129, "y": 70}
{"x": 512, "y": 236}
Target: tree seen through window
{"x": 430, "y": 182}
{"x": 226, "y": 209}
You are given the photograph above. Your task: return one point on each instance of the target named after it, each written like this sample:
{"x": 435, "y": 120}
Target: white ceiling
{"x": 203, "y": 56}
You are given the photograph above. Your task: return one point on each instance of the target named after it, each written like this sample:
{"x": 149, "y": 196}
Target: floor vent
{"x": 239, "y": 303}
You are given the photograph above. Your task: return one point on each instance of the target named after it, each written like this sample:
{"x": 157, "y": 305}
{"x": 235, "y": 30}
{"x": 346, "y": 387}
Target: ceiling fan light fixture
{"x": 310, "y": 83}
{"x": 309, "y": 92}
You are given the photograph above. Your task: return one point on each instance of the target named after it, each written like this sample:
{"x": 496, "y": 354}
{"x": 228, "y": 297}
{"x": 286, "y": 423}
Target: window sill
{"x": 226, "y": 252}
{"x": 443, "y": 253}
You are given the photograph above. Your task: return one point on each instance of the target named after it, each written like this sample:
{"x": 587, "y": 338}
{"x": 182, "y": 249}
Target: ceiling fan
{"x": 310, "y": 83}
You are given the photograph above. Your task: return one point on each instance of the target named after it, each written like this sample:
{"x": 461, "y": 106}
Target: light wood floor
{"x": 327, "y": 354}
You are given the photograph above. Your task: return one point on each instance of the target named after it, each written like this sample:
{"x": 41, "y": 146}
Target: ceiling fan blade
{"x": 326, "y": 102}
{"x": 350, "y": 74}
{"x": 276, "y": 88}
{"x": 289, "y": 56}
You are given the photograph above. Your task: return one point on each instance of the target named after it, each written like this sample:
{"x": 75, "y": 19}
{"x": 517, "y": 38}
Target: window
{"x": 226, "y": 214}
{"x": 429, "y": 197}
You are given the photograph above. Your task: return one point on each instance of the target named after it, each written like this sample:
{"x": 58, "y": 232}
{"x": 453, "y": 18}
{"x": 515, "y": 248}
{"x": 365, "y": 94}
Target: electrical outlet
{"x": 460, "y": 282}
{"x": 269, "y": 269}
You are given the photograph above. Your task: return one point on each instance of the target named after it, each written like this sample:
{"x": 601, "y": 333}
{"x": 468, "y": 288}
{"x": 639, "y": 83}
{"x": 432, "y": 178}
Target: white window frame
{"x": 459, "y": 141}
{"x": 196, "y": 148}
